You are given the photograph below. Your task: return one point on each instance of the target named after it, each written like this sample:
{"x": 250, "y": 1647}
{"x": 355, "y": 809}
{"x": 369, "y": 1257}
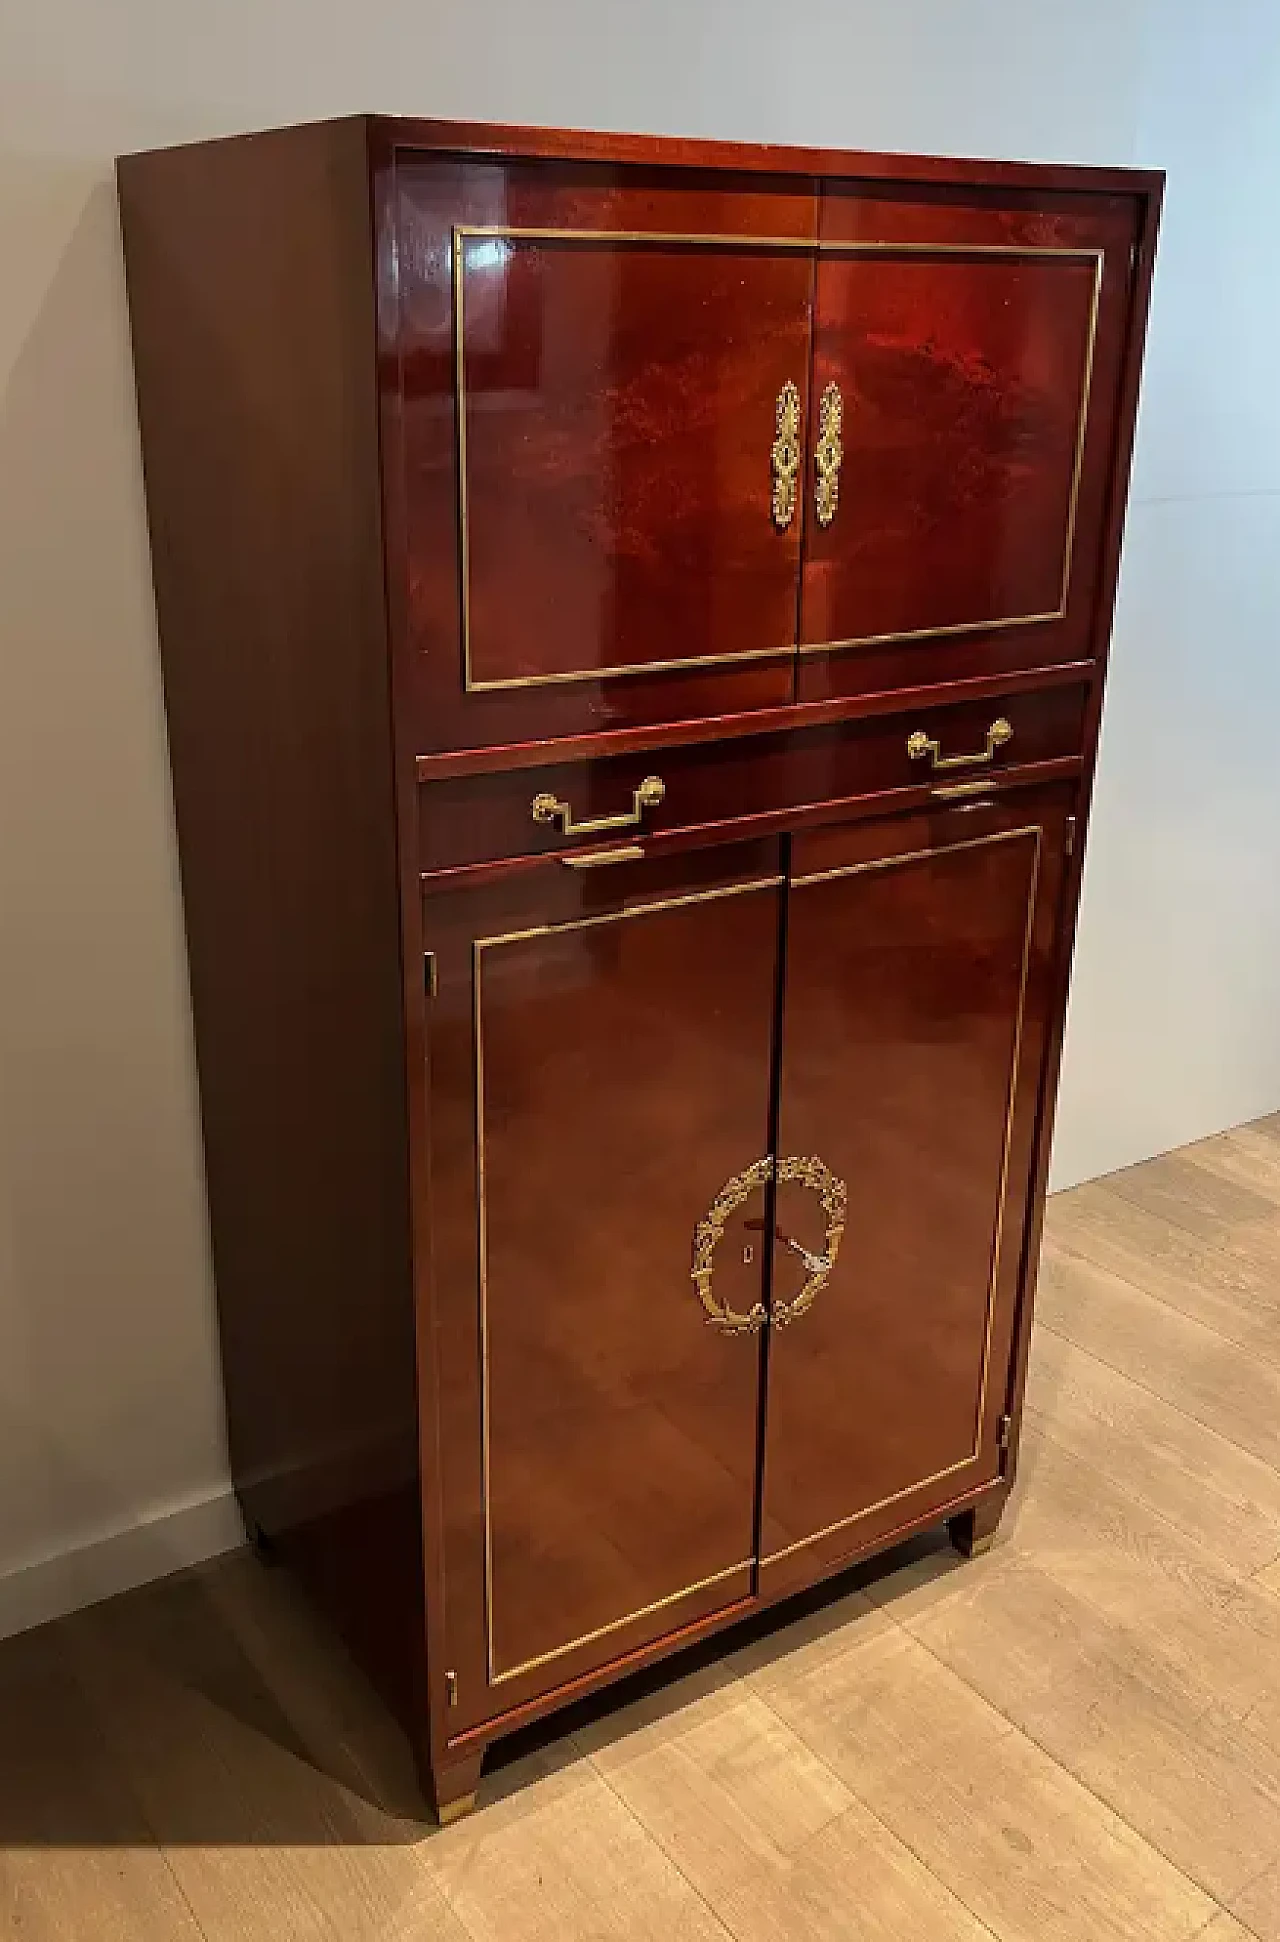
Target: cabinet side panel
{"x": 251, "y": 292}
{"x": 1103, "y": 618}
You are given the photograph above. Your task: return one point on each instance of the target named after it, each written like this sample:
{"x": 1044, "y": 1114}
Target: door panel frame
{"x": 1022, "y": 830}
{"x": 726, "y": 242}
{"x": 758, "y": 1579}
{"x": 1080, "y": 253}
{"x": 498, "y": 1678}
{"x": 463, "y": 233}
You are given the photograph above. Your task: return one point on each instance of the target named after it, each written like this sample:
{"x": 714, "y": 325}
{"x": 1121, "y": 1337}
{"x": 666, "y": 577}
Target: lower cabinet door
{"x": 600, "y": 1047}
{"x": 917, "y": 993}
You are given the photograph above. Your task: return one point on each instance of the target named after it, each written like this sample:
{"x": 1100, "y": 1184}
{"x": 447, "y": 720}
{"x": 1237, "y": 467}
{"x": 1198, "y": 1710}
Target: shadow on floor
{"x": 214, "y": 1709}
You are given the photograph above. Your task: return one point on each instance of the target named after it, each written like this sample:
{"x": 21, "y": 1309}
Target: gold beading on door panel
{"x": 464, "y": 233}
{"x": 496, "y": 1676}
{"x": 1034, "y": 831}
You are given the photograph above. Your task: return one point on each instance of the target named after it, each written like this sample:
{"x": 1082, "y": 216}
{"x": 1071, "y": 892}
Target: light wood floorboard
{"x": 1215, "y": 1492}
{"x": 1073, "y": 1739}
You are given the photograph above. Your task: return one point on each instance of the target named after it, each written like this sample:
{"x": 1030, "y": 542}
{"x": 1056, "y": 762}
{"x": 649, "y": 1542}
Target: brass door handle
{"x": 785, "y": 455}
{"x": 549, "y": 809}
{"x": 920, "y": 744}
{"x": 710, "y": 1231}
{"x": 828, "y": 455}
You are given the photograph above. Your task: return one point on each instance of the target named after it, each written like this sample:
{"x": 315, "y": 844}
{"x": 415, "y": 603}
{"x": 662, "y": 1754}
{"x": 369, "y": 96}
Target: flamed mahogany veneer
{"x": 634, "y": 616}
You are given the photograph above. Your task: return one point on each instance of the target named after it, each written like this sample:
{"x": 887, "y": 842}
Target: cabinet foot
{"x": 453, "y": 1788}
{"x": 262, "y": 1546}
{"x": 456, "y": 1810}
{"x": 973, "y": 1532}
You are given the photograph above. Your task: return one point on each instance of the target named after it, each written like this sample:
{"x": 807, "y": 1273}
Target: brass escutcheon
{"x": 834, "y": 1195}
{"x": 828, "y": 455}
{"x": 785, "y": 455}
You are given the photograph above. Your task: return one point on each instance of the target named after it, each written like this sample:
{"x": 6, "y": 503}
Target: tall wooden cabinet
{"x": 634, "y": 617}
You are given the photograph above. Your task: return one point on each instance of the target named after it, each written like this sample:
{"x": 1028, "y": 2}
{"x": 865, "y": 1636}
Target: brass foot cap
{"x": 454, "y": 1810}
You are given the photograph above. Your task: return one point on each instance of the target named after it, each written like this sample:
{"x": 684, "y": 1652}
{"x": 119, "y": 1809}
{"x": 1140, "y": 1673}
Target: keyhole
{"x": 748, "y": 1255}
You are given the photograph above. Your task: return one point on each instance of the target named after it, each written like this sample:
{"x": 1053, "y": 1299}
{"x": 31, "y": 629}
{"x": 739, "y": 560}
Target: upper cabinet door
{"x": 967, "y": 362}
{"x": 600, "y": 384}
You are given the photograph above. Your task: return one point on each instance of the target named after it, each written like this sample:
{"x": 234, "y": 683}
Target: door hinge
{"x": 451, "y": 1687}
{"x": 430, "y": 974}
{"x": 1005, "y": 1432}
{"x": 1071, "y": 834}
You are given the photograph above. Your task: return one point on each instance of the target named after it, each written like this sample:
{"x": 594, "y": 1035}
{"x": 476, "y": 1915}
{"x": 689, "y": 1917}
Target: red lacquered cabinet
{"x": 634, "y": 616}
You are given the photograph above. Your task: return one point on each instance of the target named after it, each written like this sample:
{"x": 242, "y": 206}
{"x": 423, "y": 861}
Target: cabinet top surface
{"x": 389, "y": 132}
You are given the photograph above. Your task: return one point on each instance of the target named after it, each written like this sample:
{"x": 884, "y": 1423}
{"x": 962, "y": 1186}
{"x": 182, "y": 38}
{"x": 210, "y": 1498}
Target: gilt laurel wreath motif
{"x": 810, "y": 1172}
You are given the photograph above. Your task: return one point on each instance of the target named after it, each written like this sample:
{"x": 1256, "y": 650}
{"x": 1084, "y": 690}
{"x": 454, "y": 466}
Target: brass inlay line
{"x": 1027, "y": 941}
{"x": 600, "y": 859}
{"x": 616, "y": 1624}
{"x": 1073, "y": 509}
{"x": 634, "y": 667}
{"x": 460, "y": 411}
{"x": 467, "y": 232}
{"x": 929, "y": 633}
{"x": 479, "y": 946}
{"x": 914, "y": 856}
{"x": 725, "y": 239}
{"x": 634, "y": 910}
{"x": 952, "y": 791}
{"x": 887, "y": 863}
{"x": 841, "y": 1523}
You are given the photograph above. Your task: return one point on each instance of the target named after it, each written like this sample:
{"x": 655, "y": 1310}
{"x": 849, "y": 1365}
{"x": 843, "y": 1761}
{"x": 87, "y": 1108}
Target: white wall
{"x": 1175, "y": 1017}
{"x": 112, "y": 1460}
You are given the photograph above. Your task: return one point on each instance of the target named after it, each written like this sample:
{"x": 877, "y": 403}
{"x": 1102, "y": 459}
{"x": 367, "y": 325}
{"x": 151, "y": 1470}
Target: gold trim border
{"x": 1073, "y": 510}
{"x": 478, "y": 948}
{"x": 888, "y": 863}
{"x": 463, "y": 233}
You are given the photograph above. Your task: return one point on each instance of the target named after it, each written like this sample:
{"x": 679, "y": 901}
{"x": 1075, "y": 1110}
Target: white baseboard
{"x": 35, "y": 1590}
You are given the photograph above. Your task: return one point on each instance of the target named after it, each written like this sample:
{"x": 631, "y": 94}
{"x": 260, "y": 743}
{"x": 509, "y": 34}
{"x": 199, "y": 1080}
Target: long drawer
{"x": 578, "y": 807}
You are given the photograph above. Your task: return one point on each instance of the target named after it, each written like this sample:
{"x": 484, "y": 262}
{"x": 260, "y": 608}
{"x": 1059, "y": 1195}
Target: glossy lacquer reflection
{"x": 913, "y": 1012}
{"x": 615, "y": 1070}
{"x": 619, "y": 402}
{"x": 963, "y": 382}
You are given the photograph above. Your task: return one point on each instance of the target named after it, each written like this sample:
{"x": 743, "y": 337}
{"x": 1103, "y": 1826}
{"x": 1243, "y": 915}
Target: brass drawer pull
{"x": 921, "y": 744}
{"x": 785, "y": 455}
{"x": 965, "y": 791}
{"x": 828, "y": 455}
{"x": 549, "y": 809}
{"x": 710, "y": 1231}
{"x": 595, "y": 859}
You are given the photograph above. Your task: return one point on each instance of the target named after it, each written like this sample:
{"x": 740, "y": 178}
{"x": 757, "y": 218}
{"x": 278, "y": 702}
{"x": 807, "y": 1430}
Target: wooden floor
{"x": 1077, "y": 1736}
